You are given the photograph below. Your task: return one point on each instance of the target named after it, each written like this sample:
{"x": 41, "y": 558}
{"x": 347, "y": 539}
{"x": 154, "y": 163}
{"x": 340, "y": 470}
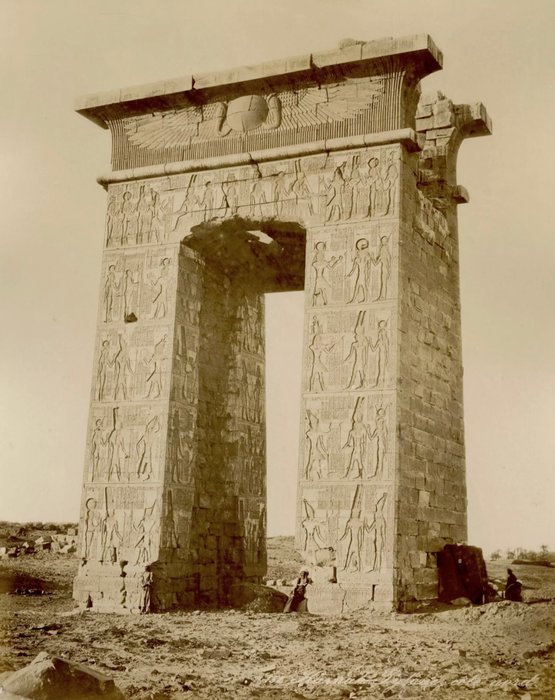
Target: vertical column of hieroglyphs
{"x": 123, "y": 508}
{"x": 345, "y": 507}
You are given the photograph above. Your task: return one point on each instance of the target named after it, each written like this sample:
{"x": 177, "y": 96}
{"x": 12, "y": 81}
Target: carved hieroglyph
{"x": 307, "y": 174}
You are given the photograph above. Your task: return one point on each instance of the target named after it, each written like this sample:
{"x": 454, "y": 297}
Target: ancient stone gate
{"x": 327, "y": 172}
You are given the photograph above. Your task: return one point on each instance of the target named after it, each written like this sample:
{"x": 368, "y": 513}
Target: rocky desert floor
{"x": 499, "y": 650}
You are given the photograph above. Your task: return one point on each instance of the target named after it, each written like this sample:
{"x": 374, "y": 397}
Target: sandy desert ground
{"x": 500, "y": 650}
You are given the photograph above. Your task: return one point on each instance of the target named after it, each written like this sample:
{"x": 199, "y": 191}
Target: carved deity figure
{"x": 97, "y": 445}
{"x": 320, "y": 264}
{"x": 189, "y": 203}
{"x": 122, "y": 369}
{"x": 355, "y": 531}
{"x": 373, "y": 186}
{"x": 160, "y": 290}
{"x": 117, "y": 450}
{"x": 146, "y": 453}
{"x": 110, "y": 536}
{"x": 208, "y": 199}
{"x": 357, "y": 443}
{"x": 180, "y": 451}
{"x": 154, "y": 379}
{"x": 381, "y": 346}
{"x": 386, "y": 195}
{"x": 318, "y": 349}
{"x": 91, "y": 528}
{"x": 334, "y": 196}
{"x": 317, "y": 459}
{"x": 312, "y": 537}
{"x": 128, "y": 217}
{"x": 280, "y": 192}
{"x": 130, "y": 288}
{"x": 257, "y": 196}
{"x": 377, "y": 531}
{"x": 146, "y": 210}
{"x": 383, "y": 261}
{"x": 169, "y": 537}
{"x": 113, "y": 221}
{"x": 358, "y": 353}
{"x": 361, "y": 269}
{"x": 102, "y": 370}
{"x": 301, "y": 189}
{"x": 111, "y": 288}
{"x": 231, "y": 194}
{"x": 380, "y": 435}
{"x": 145, "y": 540}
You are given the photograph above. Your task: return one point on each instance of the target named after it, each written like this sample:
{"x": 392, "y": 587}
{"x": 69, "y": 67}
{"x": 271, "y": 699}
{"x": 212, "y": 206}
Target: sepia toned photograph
{"x": 277, "y": 395}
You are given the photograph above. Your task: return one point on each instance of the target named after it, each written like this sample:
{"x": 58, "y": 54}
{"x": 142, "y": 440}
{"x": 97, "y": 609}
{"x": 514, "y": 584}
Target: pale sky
{"x": 499, "y": 52}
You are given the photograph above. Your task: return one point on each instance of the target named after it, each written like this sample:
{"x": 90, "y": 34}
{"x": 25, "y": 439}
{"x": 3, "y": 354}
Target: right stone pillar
{"x": 382, "y": 473}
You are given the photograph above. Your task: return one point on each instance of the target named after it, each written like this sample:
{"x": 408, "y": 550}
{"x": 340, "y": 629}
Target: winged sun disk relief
{"x": 291, "y": 110}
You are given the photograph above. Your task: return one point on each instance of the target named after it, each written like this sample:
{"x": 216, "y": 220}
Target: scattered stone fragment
{"x": 52, "y": 678}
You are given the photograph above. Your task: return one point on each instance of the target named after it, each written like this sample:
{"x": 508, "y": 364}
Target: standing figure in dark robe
{"x": 513, "y": 588}
{"x": 297, "y": 599}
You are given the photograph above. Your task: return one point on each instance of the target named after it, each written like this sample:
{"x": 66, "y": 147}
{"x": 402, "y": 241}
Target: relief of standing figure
{"x": 356, "y": 528}
{"x": 381, "y": 346}
{"x": 320, "y": 264}
{"x": 318, "y": 370}
{"x": 361, "y": 269}
{"x": 383, "y": 261}
{"x": 377, "y": 532}
{"x": 357, "y": 440}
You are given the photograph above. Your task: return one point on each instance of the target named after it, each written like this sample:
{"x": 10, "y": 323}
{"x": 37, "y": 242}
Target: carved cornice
{"x": 362, "y": 88}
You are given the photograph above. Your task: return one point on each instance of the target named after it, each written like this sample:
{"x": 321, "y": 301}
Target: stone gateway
{"x": 326, "y": 172}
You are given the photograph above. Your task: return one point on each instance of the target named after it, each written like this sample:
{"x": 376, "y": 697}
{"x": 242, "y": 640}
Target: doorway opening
{"x": 284, "y": 341}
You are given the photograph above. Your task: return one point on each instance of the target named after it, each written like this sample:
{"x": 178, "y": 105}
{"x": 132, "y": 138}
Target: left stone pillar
{"x": 138, "y": 485}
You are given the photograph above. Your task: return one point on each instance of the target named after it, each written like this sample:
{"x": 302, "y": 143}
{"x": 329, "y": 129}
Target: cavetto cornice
{"x": 361, "y": 88}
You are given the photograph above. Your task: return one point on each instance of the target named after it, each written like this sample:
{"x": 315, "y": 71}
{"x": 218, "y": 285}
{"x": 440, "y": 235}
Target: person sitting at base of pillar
{"x": 297, "y": 599}
{"x": 146, "y": 585}
{"x": 513, "y": 588}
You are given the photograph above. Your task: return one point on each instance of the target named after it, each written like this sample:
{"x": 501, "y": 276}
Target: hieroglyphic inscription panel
{"x": 348, "y": 450}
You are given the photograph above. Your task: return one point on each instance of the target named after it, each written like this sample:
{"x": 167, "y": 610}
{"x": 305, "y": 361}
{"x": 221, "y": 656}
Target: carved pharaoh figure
{"x": 160, "y": 290}
{"x": 317, "y": 459}
{"x": 97, "y": 445}
{"x": 358, "y": 353}
{"x": 154, "y": 379}
{"x": 383, "y": 262}
{"x": 111, "y": 289}
{"x": 377, "y": 532}
{"x": 320, "y": 264}
{"x": 361, "y": 269}
{"x": 380, "y": 435}
{"x": 145, "y": 447}
{"x": 357, "y": 443}
{"x": 122, "y": 369}
{"x": 116, "y": 448}
{"x": 355, "y": 531}
{"x": 102, "y": 370}
{"x": 312, "y": 537}
{"x": 318, "y": 370}
{"x": 381, "y": 347}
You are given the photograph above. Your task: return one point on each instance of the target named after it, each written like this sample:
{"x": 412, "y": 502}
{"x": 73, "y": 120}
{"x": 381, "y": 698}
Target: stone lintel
{"x": 417, "y": 50}
{"x": 408, "y": 137}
